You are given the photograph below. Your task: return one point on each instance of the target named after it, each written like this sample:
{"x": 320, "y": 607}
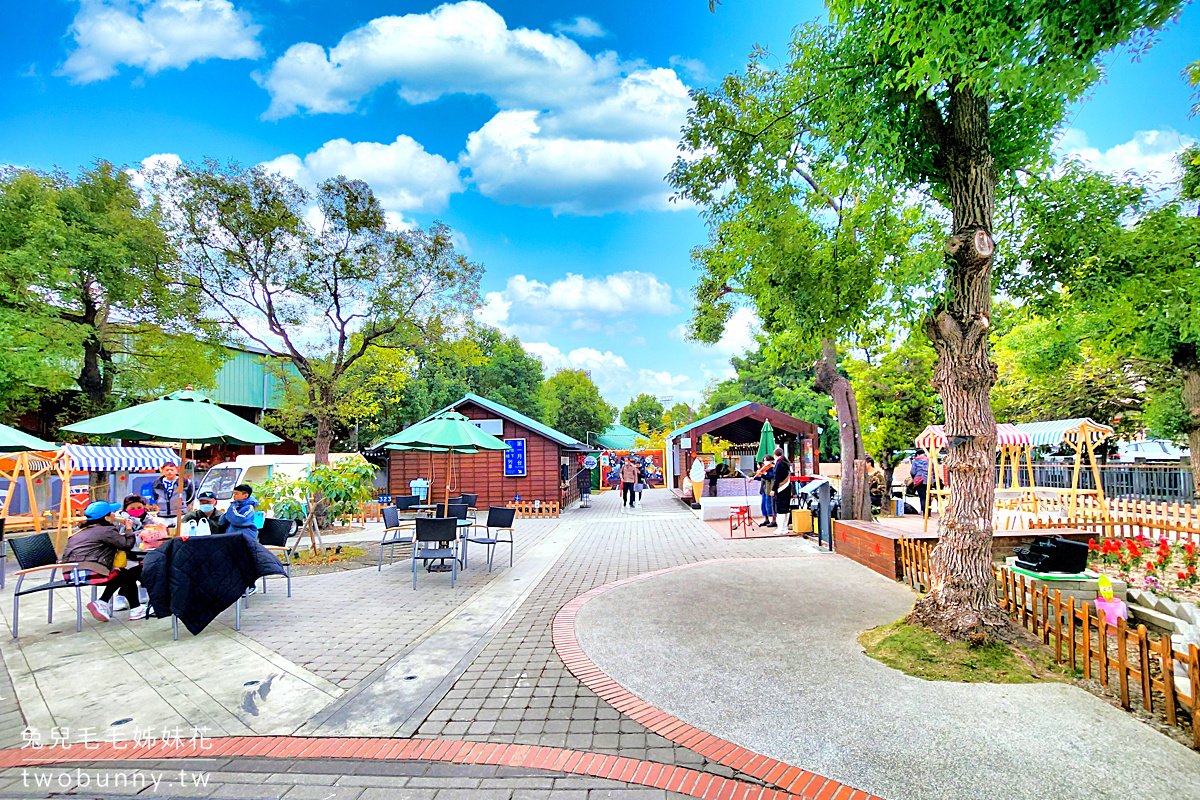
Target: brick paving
{"x": 519, "y": 691}
{"x": 345, "y": 625}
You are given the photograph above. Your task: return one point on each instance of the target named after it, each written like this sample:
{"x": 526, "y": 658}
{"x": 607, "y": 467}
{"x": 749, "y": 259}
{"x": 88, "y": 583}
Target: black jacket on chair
{"x": 199, "y": 578}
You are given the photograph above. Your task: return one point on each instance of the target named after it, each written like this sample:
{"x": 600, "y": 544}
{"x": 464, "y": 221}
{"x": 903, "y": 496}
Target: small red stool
{"x": 739, "y": 516}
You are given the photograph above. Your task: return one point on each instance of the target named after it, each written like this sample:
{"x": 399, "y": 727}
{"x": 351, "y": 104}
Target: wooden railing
{"x": 1123, "y": 518}
{"x": 1144, "y": 667}
{"x": 532, "y": 509}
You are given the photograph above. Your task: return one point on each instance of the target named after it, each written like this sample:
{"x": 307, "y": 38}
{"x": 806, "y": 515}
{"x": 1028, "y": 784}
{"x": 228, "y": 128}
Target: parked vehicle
{"x": 255, "y": 470}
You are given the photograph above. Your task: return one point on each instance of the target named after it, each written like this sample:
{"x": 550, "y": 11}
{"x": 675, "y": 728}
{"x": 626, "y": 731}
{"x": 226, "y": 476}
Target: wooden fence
{"x": 533, "y": 509}
{"x": 1144, "y": 667}
{"x": 1125, "y": 518}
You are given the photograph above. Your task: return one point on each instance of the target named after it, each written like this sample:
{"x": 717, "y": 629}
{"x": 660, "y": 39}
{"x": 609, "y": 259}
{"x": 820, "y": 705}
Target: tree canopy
{"x": 572, "y": 404}
{"x": 643, "y": 413}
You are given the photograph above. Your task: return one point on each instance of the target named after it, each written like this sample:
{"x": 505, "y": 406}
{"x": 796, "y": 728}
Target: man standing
{"x": 766, "y": 488}
{"x": 166, "y": 498}
{"x": 782, "y": 480}
{"x": 629, "y": 476}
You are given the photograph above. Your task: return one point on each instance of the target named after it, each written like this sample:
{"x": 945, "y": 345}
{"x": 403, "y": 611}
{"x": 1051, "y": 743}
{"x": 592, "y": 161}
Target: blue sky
{"x": 542, "y": 144}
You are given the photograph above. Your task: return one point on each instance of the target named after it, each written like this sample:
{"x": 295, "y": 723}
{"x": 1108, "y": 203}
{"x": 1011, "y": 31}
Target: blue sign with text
{"x": 514, "y": 458}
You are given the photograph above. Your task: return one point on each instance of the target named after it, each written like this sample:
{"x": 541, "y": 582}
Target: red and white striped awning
{"x": 934, "y": 437}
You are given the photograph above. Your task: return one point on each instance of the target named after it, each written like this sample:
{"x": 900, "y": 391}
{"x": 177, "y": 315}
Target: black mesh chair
{"x": 36, "y": 554}
{"x": 3, "y": 554}
{"x": 443, "y": 534}
{"x": 469, "y": 500}
{"x": 396, "y": 530}
{"x": 274, "y": 535}
{"x": 499, "y": 520}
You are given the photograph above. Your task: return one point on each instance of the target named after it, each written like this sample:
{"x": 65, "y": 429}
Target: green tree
{"x": 573, "y": 404}
{"x": 830, "y": 255}
{"x": 896, "y": 399}
{"x": 318, "y": 296}
{"x": 678, "y": 415}
{"x": 643, "y": 413}
{"x": 88, "y": 293}
{"x": 945, "y": 99}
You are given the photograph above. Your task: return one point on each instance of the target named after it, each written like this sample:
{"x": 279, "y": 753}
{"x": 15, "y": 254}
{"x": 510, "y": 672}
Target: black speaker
{"x": 1053, "y": 554}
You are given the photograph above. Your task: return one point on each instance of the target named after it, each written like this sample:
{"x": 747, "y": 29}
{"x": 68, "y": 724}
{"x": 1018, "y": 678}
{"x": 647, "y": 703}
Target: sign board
{"x": 514, "y": 458}
{"x": 493, "y": 426}
{"x": 590, "y": 462}
{"x": 685, "y": 442}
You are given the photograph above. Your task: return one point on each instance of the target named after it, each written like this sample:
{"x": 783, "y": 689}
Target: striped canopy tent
{"x": 1082, "y": 435}
{"x": 1011, "y": 443}
{"x": 112, "y": 458}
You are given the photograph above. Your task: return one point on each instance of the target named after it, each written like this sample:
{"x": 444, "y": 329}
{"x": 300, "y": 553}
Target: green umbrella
{"x": 448, "y": 433}
{"x": 15, "y": 441}
{"x": 185, "y": 416}
{"x": 766, "y": 442}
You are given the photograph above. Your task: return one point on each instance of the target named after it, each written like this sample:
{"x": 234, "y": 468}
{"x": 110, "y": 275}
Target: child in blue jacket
{"x": 240, "y": 514}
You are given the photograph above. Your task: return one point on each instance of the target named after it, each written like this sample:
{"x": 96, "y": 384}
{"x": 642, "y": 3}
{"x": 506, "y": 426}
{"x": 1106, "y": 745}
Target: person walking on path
{"x": 629, "y": 476}
{"x": 765, "y": 477}
{"x": 642, "y": 478}
{"x": 782, "y": 483}
{"x": 166, "y": 496}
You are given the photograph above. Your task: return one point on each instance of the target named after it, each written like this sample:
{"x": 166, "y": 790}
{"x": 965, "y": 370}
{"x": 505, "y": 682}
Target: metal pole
{"x": 825, "y": 528}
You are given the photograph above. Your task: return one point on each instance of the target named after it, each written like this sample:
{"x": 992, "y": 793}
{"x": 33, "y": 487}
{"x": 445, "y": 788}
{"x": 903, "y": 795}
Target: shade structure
{"x": 184, "y": 416}
{"x": 445, "y": 432}
{"x": 766, "y": 441}
{"x": 934, "y": 436}
{"x": 1073, "y": 431}
{"x": 15, "y": 441}
{"x": 450, "y": 433}
{"x": 105, "y": 459}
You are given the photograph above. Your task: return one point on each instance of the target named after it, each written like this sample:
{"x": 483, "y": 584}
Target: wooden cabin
{"x": 545, "y": 474}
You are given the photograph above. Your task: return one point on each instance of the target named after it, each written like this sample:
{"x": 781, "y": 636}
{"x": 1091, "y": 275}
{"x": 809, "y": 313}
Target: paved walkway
{"x": 765, "y": 654}
{"x": 472, "y": 680}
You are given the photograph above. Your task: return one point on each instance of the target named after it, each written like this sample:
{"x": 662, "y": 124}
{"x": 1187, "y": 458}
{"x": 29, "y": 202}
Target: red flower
{"x": 1181, "y": 575}
{"x": 1092, "y": 545}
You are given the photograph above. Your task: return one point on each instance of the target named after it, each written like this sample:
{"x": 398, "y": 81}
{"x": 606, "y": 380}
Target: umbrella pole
{"x": 181, "y": 487}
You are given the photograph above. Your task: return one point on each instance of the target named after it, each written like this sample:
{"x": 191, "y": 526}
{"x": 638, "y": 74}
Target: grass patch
{"x": 330, "y": 556}
{"x": 921, "y": 653}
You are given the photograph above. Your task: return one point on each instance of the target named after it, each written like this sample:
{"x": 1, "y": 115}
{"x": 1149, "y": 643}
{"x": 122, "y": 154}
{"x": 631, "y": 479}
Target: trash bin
{"x": 899, "y": 506}
{"x": 419, "y": 487}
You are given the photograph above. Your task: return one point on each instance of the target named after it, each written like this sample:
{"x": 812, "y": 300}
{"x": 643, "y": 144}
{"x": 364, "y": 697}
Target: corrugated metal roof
{"x": 619, "y": 437}
{"x": 244, "y": 379}
{"x": 517, "y": 417}
{"x": 709, "y": 418}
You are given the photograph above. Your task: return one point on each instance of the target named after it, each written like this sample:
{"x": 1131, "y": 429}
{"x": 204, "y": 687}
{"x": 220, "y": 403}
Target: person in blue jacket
{"x": 239, "y": 517}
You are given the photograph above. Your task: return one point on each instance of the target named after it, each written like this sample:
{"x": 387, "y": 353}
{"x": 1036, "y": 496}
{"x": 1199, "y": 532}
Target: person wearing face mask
{"x": 134, "y": 515}
{"x": 94, "y": 547}
{"x": 206, "y": 509}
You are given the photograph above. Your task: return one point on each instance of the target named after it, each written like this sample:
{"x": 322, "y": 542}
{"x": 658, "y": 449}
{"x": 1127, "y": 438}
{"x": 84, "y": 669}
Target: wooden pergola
{"x": 1011, "y": 443}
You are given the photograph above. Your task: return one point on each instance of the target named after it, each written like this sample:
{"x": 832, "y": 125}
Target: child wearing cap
{"x": 94, "y": 546}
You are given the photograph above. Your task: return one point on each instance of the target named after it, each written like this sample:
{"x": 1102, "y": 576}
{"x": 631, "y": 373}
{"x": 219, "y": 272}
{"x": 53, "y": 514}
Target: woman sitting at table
{"x": 95, "y": 546}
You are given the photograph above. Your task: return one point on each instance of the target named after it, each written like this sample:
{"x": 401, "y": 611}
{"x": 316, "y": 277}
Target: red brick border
{"x": 793, "y": 781}
{"x": 691, "y": 782}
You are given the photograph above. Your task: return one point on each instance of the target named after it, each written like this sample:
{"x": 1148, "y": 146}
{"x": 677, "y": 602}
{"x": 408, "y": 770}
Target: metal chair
{"x": 396, "y": 530}
{"x": 274, "y": 535}
{"x": 3, "y": 553}
{"x": 498, "y": 520}
{"x": 35, "y": 554}
{"x": 469, "y": 500}
{"x": 444, "y": 533}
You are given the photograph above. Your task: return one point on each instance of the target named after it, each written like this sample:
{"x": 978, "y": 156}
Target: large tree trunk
{"x": 961, "y": 603}
{"x": 836, "y": 385}
{"x": 1191, "y": 404}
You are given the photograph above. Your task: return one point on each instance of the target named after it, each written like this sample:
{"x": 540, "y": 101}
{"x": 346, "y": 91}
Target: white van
{"x": 255, "y": 470}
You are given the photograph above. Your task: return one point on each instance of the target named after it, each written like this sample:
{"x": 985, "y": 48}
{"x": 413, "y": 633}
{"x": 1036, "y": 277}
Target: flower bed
{"x": 1163, "y": 568}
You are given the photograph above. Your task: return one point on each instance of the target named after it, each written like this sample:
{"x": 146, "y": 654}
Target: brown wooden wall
{"x": 483, "y": 473}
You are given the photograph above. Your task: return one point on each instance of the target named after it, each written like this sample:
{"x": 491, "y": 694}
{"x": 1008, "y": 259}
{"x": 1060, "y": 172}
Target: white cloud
{"x": 1149, "y": 154}
{"x": 531, "y": 306}
{"x": 156, "y": 35}
{"x": 581, "y": 28}
{"x": 738, "y": 338}
{"x": 616, "y": 380}
{"x": 458, "y": 48}
{"x": 575, "y": 133}
{"x": 402, "y": 174}
{"x": 512, "y": 162}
